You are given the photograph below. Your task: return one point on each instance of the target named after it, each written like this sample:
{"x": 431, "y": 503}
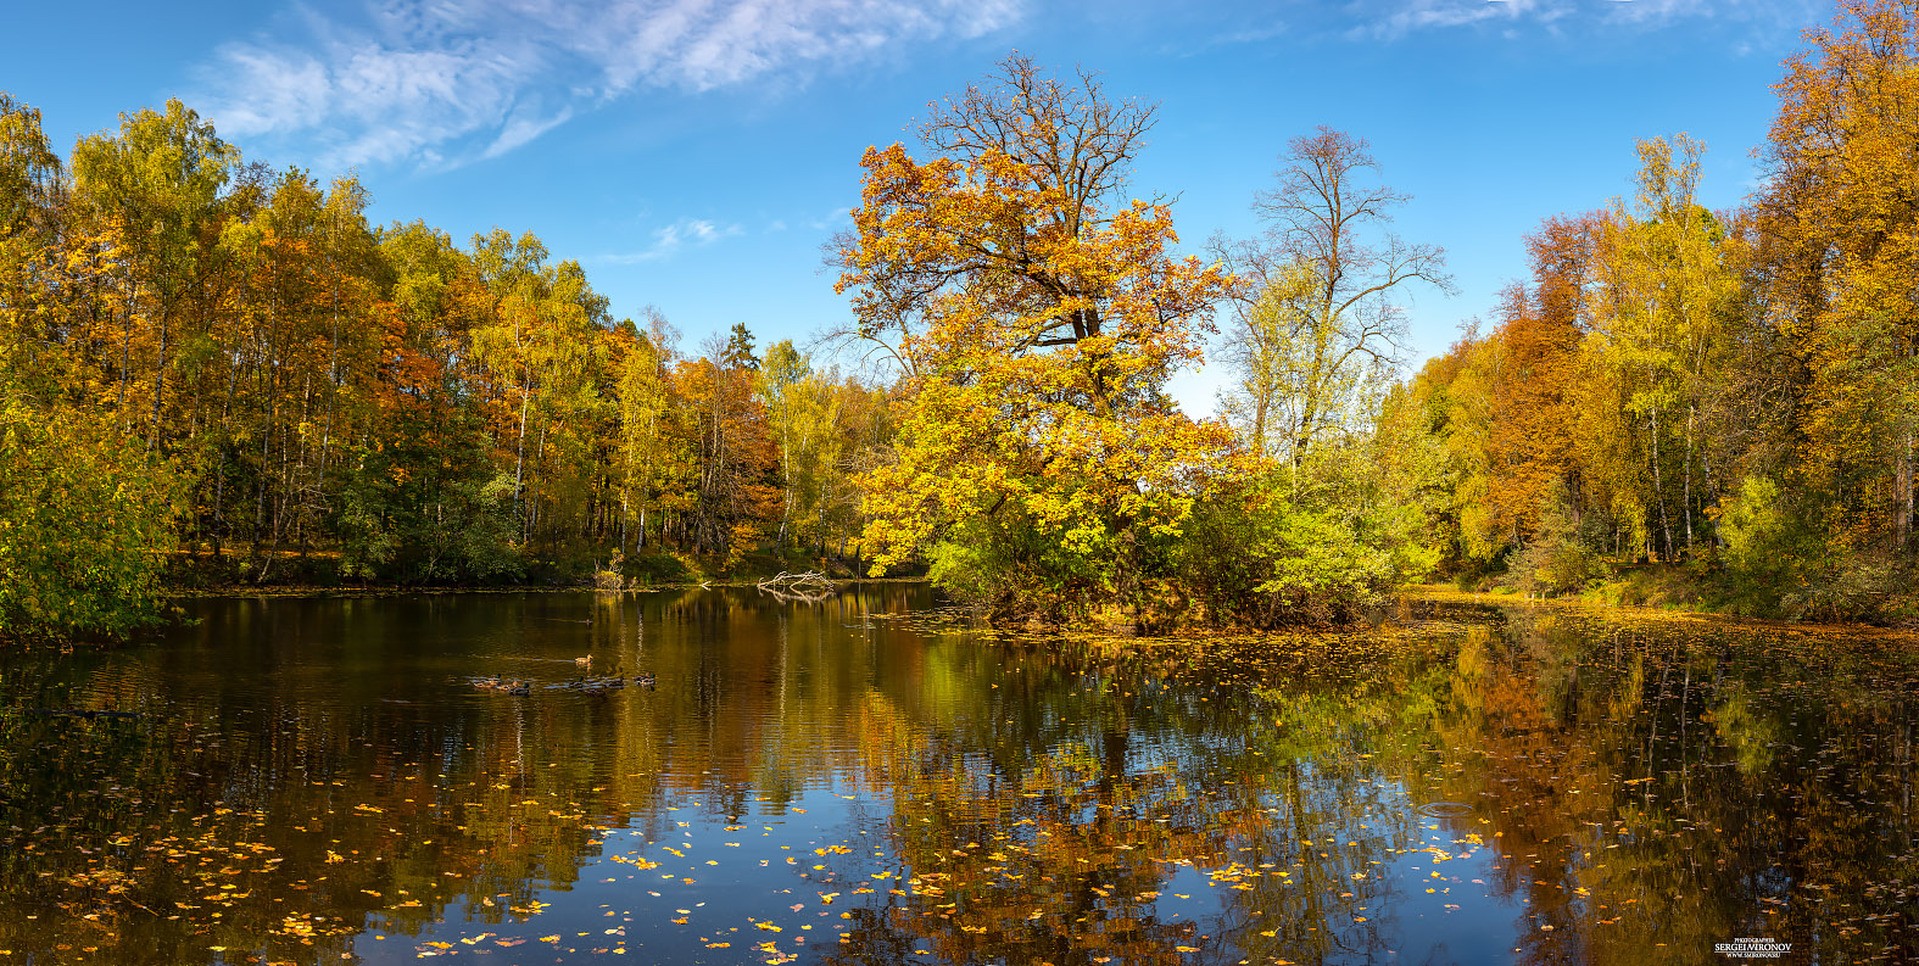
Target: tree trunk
{"x": 1686, "y": 505}
{"x": 1659, "y": 492}
{"x": 1906, "y": 494}
{"x": 159, "y": 385}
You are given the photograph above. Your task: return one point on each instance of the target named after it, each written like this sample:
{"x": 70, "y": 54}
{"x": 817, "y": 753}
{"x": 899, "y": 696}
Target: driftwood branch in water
{"x": 810, "y": 586}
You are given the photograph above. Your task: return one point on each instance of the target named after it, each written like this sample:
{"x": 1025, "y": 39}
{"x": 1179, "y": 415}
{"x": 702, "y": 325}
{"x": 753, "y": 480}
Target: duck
{"x": 511, "y": 686}
{"x": 643, "y": 679}
{"x": 586, "y": 661}
{"x": 596, "y": 685}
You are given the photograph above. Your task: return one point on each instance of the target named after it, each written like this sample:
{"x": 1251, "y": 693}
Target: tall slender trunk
{"x": 126, "y": 363}
{"x": 1686, "y": 506}
{"x": 1906, "y": 494}
{"x": 519, "y": 462}
{"x": 159, "y": 385}
{"x": 333, "y": 401}
{"x": 1659, "y": 491}
{"x": 533, "y": 505}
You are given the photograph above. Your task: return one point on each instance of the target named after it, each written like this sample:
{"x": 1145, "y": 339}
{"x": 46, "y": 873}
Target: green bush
{"x": 652, "y": 569}
{"x": 1298, "y": 546}
{"x": 1755, "y": 530}
{"x": 1016, "y": 567}
{"x": 85, "y": 521}
{"x": 1559, "y": 558}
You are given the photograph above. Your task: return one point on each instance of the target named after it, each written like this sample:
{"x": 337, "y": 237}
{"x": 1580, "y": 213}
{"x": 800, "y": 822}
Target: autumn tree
{"x": 776, "y": 379}
{"x": 1321, "y": 322}
{"x": 541, "y": 346}
{"x": 148, "y": 202}
{"x": 1037, "y": 316}
{"x": 31, "y": 185}
{"x": 1665, "y": 289}
{"x": 228, "y": 362}
{"x": 1435, "y": 429}
{"x": 429, "y": 489}
{"x": 84, "y": 509}
{"x": 737, "y": 484}
{"x": 1598, "y": 417}
{"x": 84, "y": 515}
{"x": 1505, "y": 405}
{"x": 296, "y": 398}
{"x": 804, "y": 412}
{"x": 658, "y": 449}
{"x": 1533, "y": 424}
{"x": 1839, "y": 228}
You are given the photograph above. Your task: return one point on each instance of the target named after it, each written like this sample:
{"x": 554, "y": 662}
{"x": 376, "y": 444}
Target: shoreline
{"x": 391, "y": 590}
{"x": 1448, "y": 594}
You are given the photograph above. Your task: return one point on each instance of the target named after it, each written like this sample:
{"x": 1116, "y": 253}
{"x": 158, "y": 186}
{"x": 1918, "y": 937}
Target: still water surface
{"x": 871, "y": 780}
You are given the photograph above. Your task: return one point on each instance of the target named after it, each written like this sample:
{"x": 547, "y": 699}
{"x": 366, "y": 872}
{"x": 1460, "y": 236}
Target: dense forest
{"x": 213, "y": 370}
{"x": 217, "y": 370}
{"x": 1734, "y": 391}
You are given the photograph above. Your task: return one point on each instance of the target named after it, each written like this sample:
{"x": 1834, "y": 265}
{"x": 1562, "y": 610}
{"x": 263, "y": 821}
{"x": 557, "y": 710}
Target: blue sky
{"x": 695, "y": 154}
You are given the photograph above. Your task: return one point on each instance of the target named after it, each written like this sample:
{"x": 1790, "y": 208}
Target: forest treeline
{"x": 210, "y": 366}
{"x": 214, "y": 367}
{"x": 1737, "y": 391}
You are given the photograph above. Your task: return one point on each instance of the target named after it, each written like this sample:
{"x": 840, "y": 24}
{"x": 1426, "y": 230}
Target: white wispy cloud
{"x": 439, "y": 81}
{"x": 1424, "y": 14}
{"x": 1396, "y": 18}
{"x": 668, "y": 241}
{"x": 842, "y": 215}
{"x": 524, "y": 126}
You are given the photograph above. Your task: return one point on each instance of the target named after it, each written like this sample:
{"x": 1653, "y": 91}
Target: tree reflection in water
{"x": 866, "y": 780}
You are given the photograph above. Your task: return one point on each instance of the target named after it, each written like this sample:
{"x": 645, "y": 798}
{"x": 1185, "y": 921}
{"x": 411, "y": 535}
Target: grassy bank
{"x": 1803, "y": 594}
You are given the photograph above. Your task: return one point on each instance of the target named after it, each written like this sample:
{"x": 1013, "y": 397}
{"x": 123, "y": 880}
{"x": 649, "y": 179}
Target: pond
{"x": 874, "y": 780}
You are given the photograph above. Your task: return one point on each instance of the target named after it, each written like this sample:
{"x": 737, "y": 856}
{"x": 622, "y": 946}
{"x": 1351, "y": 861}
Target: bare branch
{"x": 1322, "y": 283}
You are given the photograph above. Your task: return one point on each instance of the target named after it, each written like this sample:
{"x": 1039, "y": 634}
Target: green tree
{"x": 1303, "y": 527}
{"x": 85, "y": 520}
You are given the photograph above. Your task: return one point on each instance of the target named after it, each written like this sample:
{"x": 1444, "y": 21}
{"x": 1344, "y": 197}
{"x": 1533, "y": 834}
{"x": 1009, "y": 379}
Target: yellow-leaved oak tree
{"x": 1040, "y": 465}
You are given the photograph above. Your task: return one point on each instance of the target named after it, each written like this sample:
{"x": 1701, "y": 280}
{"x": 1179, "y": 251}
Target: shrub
{"x": 85, "y": 520}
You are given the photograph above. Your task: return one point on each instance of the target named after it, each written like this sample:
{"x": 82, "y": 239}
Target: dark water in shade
{"x": 869, "y": 781}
